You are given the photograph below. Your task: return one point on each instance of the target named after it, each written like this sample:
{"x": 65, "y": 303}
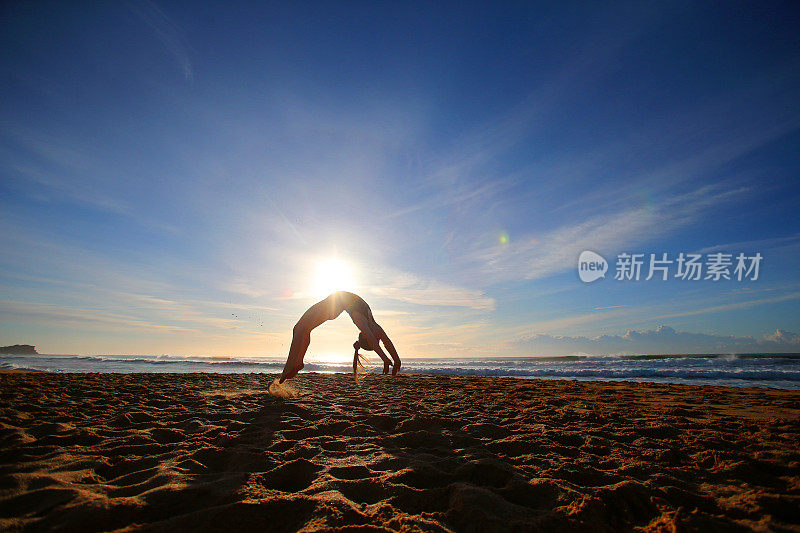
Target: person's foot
{"x": 385, "y": 368}
{"x": 396, "y": 368}
{"x": 290, "y": 372}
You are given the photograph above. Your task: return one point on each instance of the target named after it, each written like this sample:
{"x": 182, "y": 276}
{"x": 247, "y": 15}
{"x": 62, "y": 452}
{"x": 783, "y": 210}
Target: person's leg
{"x": 301, "y": 338}
{"x": 327, "y": 309}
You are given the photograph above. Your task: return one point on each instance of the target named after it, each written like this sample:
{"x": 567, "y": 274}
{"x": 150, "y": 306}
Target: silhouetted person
{"x": 331, "y": 307}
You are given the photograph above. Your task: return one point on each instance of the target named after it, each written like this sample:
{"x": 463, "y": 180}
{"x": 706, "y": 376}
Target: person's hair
{"x": 360, "y": 369}
{"x": 363, "y": 344}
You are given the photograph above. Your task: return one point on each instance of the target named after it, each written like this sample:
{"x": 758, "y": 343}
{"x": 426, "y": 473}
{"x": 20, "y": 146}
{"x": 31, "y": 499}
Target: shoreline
{"x": 428, "y": 452}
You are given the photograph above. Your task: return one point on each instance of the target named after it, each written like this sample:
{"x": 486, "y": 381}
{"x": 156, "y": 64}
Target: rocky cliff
{"x": 19, "y": 349}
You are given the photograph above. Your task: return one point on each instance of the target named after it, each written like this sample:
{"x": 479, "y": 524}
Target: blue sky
{"x": 177, "y": 177}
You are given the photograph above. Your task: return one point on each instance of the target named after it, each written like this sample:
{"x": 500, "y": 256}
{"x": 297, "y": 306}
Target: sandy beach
{"x": 106, "y": 452}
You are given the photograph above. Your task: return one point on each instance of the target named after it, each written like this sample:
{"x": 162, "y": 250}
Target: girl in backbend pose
{"x": 328, "y": 309}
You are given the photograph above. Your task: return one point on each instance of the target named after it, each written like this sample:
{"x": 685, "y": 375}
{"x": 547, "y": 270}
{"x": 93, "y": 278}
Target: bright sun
{"x": 333, "y": 275}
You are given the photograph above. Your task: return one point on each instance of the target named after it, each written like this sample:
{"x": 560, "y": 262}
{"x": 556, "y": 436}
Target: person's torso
{"x": 353, "y": 303}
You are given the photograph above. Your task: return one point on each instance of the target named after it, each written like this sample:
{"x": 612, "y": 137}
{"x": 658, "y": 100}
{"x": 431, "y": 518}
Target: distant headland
{"x": 19, "y": 349}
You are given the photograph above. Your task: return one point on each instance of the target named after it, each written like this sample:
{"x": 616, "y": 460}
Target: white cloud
{"x": 782, "y": 336}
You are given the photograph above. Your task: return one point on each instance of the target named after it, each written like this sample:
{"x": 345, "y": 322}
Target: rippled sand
{"x": 91, "y": 452}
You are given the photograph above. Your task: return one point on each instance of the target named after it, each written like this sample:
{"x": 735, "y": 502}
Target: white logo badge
{"x": 591, "y": 266}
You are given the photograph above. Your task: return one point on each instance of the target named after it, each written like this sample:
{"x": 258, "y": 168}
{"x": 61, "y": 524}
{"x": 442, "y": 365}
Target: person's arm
{"x": 391, "y": 349}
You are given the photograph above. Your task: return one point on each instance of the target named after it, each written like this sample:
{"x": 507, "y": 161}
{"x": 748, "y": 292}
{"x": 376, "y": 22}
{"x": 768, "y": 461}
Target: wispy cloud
{"x": 55, "y": 171}
{"x": 647, "y": 201}
{"x": 758, "y": 245}
{"x": 467, "y": 168}
{"x": 621, "y": 316}
{"x": 537, "y": 256}
{"x": 61, "y": 316}
{"x": 59, "y": 171}
{"x": 95, "y": 288}
{"x": 732, "y": 306}
{"x": 410, "y": 288}
{"x": 170, "y": 34}
{"x": 570, "y": 321}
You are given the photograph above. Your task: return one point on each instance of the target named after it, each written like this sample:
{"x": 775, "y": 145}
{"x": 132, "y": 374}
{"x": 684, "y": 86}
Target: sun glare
{"x": 333, "y": 274}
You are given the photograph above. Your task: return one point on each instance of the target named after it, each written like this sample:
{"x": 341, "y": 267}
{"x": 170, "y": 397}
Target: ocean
{"x": 742, "y": 370}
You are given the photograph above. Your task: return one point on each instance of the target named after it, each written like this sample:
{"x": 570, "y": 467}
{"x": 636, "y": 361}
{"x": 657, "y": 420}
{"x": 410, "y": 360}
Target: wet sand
{"x": 98, "y": 452}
